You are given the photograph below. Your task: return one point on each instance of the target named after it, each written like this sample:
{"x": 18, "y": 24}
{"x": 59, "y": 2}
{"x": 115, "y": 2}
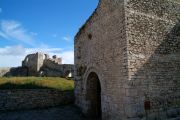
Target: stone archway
{"x": 67, "y": 74}
{"x": 93, "y": 96}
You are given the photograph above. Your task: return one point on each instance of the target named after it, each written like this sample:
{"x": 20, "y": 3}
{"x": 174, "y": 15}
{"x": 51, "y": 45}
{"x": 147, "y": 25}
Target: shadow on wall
{"x": 158, "y": 80}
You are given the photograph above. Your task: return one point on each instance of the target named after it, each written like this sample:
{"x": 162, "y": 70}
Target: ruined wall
{"x": 3, "y": 71}
{"x": 100, "y": 47}
{"x": 33, "y": 62}
{"x": 51, "y": 68}
{"x": 40, "y": 60}
{"x": 133, "y": 46}
{"x": 14, "y": 71}
{"x": 30, "y": 99}
{"x": 153, "y": 35}
{"x": 39, "y": 64}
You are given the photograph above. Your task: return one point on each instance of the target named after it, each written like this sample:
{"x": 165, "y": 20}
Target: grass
{"x": 36, "y": 83}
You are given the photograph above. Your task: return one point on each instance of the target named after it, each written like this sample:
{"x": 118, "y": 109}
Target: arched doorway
{"x": 68, "y": 74}
{"x": 93, "y": 96}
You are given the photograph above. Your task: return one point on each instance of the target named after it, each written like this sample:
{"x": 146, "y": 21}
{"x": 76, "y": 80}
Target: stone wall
{"x": 153, "y": 36}
{"x": 3, "y": 71}
{"x": 50, "y": 68}
{"x": 39, "y": 64}
{"x": 30, "y": 99}
{"x": 33, "y": 62}
{"x": 100, "y": 47}
{"x": 133, "y": 48}
{"x": 14, "y": 71}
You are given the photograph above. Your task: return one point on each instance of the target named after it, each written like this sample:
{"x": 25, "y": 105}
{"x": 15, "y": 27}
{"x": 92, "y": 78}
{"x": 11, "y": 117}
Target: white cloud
{"x": 67, "y": 57}
{"x": 67, "y": 38}
{"x": 13, "y": 30}
{"x": 43, "y": 50}
{"x": 10, "y": 61}
{"x": 12, "y": 51}
{"x": 12, "y": 56}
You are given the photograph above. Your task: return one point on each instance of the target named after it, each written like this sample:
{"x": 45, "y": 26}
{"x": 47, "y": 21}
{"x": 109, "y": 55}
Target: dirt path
{"x": 57, "y": 113}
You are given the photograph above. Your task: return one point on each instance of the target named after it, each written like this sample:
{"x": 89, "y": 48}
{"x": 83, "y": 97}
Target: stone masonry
{"x": 127, "y": 61}
{"x": 25, "y": 99}
{"x": 33, "y": 62}
{"x": 40, "y": 64}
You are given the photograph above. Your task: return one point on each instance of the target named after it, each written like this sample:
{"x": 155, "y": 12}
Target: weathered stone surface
{"x": 172, "y": 113}
{"x": 33, "y": 62}
{"x": 3, "y": 71}
{"x": 178, "y": 118}
{"x": 29, "y": 98}
{"x": 133, "y": 47}
{"x": 69, "y": 112}
{"x": 51, "y": 68}
{"x": 14, "y": 71}
{"x": 39, "y": 64}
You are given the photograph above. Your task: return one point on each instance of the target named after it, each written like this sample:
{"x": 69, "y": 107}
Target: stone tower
{"x": 33, "y": 62}
{"x": 127, "y": 58}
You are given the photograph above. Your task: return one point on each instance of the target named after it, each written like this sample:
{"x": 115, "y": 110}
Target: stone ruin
{"x": 127, "y": 61}
{"x": 40, "y": 64}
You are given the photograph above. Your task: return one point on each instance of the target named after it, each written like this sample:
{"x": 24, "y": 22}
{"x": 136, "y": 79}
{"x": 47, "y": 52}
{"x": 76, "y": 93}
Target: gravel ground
{"x": 56, "y": 113}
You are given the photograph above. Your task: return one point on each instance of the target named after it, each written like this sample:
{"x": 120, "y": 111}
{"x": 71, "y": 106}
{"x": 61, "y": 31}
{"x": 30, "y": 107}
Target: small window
{"x": 90, "y": 36}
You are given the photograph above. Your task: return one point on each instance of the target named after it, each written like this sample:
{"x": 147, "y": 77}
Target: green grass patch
{"x": 36, "y": 83}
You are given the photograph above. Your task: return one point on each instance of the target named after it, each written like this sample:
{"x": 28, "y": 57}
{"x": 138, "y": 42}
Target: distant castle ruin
{"x": 40, "y": 64}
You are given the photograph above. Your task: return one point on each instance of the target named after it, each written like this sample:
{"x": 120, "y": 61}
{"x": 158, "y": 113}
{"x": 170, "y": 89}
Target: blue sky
{"x": 49, "y": 26}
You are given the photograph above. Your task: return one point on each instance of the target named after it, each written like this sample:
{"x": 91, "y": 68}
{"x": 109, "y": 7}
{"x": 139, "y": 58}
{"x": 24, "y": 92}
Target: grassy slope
{"x": 36, "y": 83}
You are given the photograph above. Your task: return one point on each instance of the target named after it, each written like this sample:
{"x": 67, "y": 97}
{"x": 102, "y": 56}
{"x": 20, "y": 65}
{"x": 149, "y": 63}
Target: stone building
{"x": 127, "y": 60}
{"x": 34, "y": 62}
{"x": 40, "y": 64}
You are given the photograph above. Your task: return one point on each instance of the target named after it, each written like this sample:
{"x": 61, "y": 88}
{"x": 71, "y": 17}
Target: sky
{"x": 49, "y": 26}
